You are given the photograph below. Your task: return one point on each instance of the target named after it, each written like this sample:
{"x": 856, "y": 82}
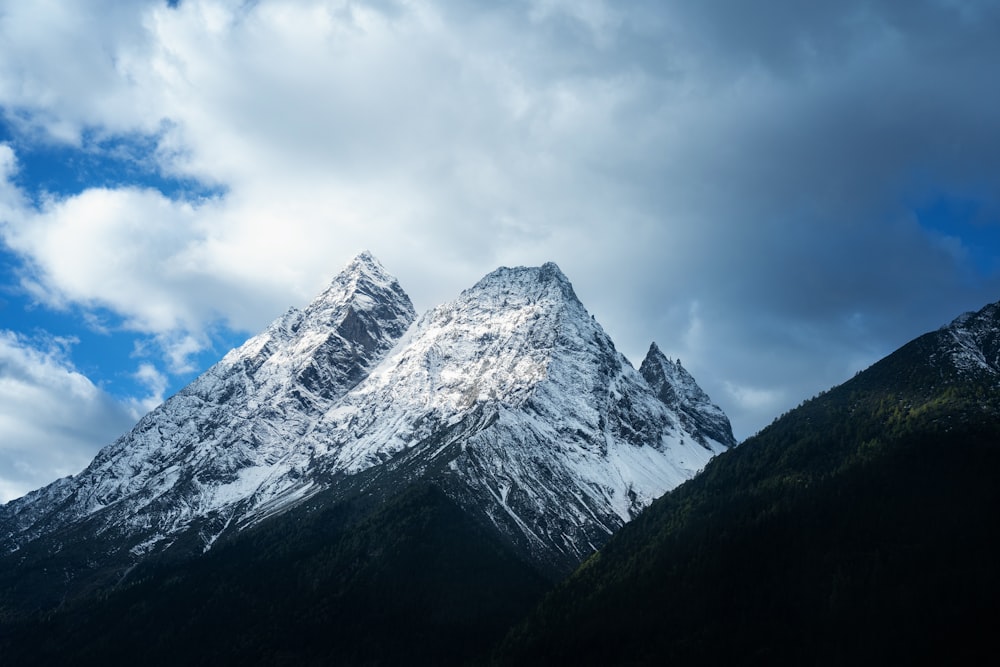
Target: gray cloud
{"x": 53, "y": 419}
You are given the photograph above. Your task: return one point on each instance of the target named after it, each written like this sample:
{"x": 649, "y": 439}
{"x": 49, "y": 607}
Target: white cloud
{"x": 754, "y": 398}
{"x": 53, "y": 419}
{"x": 60, "y": 70}
{"x": 155, "y": 383}
{"x": 333, "y": 127}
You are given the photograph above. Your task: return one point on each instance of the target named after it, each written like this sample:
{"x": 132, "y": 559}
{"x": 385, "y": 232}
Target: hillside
{"x": 859, "y": 528}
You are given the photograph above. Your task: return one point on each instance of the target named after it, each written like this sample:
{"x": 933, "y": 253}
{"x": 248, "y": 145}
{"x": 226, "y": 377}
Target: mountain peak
{"x": 365, "y": 263}
{"x": 363, "y": 285}
{"x": 656, "y": 357}
{"x": 547, "y": 272}
{"x": 678, "y": 390}
{"x": 655, "y": 353}
{"x": 532, "y": 283}
{"x": 364, "y": 268}
{"x": 973, "y": 340}
{"x": 236, "y": 429}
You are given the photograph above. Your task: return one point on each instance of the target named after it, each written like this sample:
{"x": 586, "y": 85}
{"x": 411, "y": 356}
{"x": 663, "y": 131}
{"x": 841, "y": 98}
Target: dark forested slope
{"x": 860, "y": 527}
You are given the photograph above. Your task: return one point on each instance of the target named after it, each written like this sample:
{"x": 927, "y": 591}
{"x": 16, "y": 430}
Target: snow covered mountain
{"x": 512, "y": 398}
{"x": 517, "y": 399}
{"x": 226, "y": 446}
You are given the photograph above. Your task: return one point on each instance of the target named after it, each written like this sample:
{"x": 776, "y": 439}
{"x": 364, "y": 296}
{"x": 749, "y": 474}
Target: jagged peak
{"x": 671, "y": 370}
{"x": 365, "y": 263}
{"x": 365, "y": 257}
{"x": 362, "y": 283}
{"x": 655, "y": 355}
{"x": 362, "y": 288}
{"x": 678, "y": 389}
{"x": 988, "y": 312}
{"x": 547, "y": 272}
{"x": 365, "y": 268}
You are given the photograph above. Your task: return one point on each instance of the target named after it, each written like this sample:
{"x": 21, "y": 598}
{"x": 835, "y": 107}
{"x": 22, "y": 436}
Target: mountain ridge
{"x": 511, "y": 396}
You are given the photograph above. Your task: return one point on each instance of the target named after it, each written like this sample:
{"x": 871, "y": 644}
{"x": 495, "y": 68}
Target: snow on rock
{"x": 975, "y": 340}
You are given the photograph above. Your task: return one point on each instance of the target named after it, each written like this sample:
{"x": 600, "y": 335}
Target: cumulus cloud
{"x": 766, "y": 161}
{"x": 52, "y": 418}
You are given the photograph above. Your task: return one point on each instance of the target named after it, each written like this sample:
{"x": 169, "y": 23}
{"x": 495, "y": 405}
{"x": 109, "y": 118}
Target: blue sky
{"x": 778, "y": 193}
{"x": 97, "y": 338}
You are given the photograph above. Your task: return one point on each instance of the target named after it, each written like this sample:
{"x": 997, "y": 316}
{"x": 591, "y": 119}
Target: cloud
{"x": 52, "y": 418}
{"x": 754, "y": 398}
{"x": 62, "y": 67}
{"x": 155, "y": 382}
{"x": 767, "y": 162}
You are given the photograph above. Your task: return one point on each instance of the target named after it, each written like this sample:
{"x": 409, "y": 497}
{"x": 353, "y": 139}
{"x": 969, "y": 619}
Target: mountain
{"x": 510, "y": 400}
{"x": 517, "y": 402}
{"x": 858, "y": 528}
{"x": 221, "y": 453}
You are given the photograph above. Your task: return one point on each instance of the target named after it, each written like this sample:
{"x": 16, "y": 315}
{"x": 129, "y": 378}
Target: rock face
{"x": 678, "y": 390}
{"x": 511, "y": 397}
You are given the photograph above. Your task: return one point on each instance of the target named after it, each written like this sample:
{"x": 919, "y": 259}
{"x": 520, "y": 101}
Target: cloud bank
{"x": 757, "y": 187}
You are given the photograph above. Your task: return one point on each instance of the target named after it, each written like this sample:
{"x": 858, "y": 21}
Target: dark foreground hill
{"x": 860, "y": 528}
{"x": 408, "y": 580}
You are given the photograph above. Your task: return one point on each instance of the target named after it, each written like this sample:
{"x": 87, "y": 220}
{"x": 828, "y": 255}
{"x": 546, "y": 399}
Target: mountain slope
{"x": 858, "y": 528}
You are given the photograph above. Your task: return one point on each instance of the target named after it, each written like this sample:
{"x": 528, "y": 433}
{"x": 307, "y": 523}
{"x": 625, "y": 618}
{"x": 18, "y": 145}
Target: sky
{"x": 778, "y": 193}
